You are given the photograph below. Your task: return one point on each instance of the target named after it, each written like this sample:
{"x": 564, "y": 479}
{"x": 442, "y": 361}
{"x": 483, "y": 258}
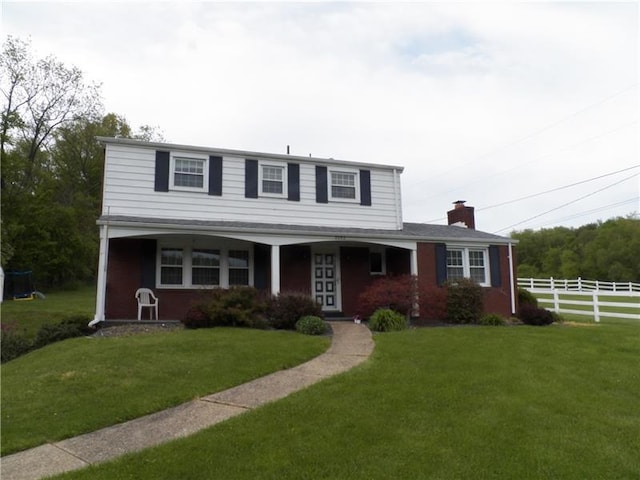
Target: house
{"x": 179, "y": 219}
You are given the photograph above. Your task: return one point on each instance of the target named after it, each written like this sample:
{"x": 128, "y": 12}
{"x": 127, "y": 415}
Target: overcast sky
{"x": 484, "y": 102}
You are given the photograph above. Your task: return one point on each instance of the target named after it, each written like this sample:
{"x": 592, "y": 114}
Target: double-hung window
{"x": 199, "y": 266}
{"x": 273, "y": 180}
{"x": 343, "y": 186}
{"x": 468, "y": 263}
{"x": 189, "y": 173}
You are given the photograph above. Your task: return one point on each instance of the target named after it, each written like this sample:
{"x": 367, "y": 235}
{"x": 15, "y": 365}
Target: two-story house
{"x": 179, "y": 219}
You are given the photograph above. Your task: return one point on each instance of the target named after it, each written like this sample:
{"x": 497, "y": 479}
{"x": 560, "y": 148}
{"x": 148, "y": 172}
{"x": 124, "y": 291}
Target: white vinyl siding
{"x": 129, "y": 191}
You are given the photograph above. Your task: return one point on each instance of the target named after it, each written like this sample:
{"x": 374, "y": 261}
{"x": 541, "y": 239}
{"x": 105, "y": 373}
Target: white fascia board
{"x": 245, "y": 153}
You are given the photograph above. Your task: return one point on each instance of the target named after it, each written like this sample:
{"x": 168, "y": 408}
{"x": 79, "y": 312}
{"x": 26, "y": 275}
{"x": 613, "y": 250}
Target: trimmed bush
{"x": 232, "y": 307}
{"x": 69, "y": 327}
{"x": 386, "y": 320}
{"x": 433, "y": 303}
{"x": 531, "y": 315}
{"x": 12, "y": 343}
{"x": 492, "y": 319}
{"x": 393, "y": 292}
{"x": 464, "y": 301}
{"x": 525, "y": 297}
{"x": 284, "y": 310}
{"x": 311, "y": 325}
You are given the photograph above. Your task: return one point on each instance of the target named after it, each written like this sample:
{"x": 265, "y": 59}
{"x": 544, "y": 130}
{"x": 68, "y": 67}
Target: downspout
{"x": 101, "y": 287}
{"x": 511, "y": 281}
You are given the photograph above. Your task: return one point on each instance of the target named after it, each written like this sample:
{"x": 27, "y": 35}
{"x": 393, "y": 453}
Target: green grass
{"x": 446, "y": 403}
{"x": 83, "y": 384}
{"x": 29, "y": 315}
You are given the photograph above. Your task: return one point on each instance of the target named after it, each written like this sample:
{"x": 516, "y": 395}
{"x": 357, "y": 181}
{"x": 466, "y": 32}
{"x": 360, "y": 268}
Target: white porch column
{"x": 275, "y": 269}
{"x": 414, "y": 261}
{"x": 101, "y": 287}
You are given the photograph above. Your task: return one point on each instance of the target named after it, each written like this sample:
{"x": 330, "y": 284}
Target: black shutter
{"x": 215, "y": 176}
{"x": 162, "y": 172}
{"x": 441, "y": 263}
{"x": 293, "y": 182}
{"x": 251, "y": 178}
{"x": 321, "y": 185}
{"x": 494, "y": 265}
{"x": 365, "y": 187}
{"x": 148, "y": 255}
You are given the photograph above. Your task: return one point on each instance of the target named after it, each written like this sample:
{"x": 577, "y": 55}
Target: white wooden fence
{"x": 599, "y": 296}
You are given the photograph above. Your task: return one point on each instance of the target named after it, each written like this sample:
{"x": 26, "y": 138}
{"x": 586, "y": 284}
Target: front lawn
{"x": 447, "y": 403}
{"x": 83, "y": 384}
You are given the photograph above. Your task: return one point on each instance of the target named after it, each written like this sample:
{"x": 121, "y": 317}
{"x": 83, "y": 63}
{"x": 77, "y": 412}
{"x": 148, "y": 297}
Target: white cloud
{"x": 484, "y": 101}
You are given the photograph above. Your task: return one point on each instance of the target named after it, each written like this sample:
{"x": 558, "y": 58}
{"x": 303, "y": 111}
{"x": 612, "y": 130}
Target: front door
{"x": 326, "y": 279}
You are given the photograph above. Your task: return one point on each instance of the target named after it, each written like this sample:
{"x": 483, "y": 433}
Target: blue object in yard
{"x": 19, "y": 286}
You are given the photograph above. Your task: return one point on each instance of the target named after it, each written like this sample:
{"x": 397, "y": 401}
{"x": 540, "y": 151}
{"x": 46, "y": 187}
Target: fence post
{"x": 579, "y": 284}
{"x": 551, "y": 283}
{"x": 596, "y": 307}
{"x": 556, "y": 301}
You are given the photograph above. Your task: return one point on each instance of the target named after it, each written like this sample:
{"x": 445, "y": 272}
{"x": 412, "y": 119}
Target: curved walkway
{"x": 351, "y": 345}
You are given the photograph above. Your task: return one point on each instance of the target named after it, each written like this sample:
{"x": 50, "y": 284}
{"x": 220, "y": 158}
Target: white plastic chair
{"x": 146, "y": 298}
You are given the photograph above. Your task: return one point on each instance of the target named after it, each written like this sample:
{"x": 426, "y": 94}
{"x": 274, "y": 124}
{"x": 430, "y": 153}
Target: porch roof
{"x": 410, "y": 231}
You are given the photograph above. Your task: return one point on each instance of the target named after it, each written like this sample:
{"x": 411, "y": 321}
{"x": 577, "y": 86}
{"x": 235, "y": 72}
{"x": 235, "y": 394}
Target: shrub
{"x": 531, "y": 315}
{"x": 311, "y": 325}
{"x": 233, "y": 307}
{"x": 464, "y": 301}
{"x": 285, "y": 309}
{"x": 195, "y": 318}
{"x": 492, "y": 319}
{"x": 433, "y": 302}
{"x": 386, "y": 320}
{"x": 392, "y": 292}
{"x": 55, "y": 332}
{"x": 12, "y": 343}
{"x": 525, "y": 297}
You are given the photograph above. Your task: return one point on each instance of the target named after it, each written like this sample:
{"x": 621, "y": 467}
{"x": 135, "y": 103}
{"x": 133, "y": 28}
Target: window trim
{"x": 285, "y": 183}
{"x": 356, "y": 184}
{"x": 187, "y": 247}
{"x": 189, "y": 156}
{"x": 466, "y": 263}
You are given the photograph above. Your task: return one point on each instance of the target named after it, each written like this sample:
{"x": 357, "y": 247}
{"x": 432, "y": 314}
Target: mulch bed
{"x": 133, "y": 329}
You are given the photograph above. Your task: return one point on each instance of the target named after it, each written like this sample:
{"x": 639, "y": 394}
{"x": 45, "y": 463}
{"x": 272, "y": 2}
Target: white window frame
{"x": 280, "y": 166}
{"x": 466, "y": 263}
{"x": 189, "y": 156}
{"x": 187, "y": 262}
{"x": 356, "y": 179}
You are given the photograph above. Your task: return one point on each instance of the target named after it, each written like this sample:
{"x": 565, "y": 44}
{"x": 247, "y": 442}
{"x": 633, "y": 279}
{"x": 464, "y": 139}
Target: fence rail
{"x": 599, "y": 297}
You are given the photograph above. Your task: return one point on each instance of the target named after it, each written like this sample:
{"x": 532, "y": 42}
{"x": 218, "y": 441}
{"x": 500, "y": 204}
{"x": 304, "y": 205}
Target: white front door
{"x": 325, "y": 272}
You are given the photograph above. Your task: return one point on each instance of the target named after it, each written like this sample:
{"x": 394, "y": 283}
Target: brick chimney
{"x": 461, "y": 215}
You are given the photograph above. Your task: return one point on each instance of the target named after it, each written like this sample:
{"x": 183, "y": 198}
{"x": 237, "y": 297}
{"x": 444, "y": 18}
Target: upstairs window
{"x": 189, "y": 173}
{"x": 343, "y": 186}
{"x": 273, "y": 180}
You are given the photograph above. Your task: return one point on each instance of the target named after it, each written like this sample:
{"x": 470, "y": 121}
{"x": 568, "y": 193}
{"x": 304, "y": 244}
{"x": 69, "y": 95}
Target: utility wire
{"x": 589, "y": 212}
{"x": 508, "y": 202}
{"x": 539, "y": 131}
{"x": 568, "y": 203}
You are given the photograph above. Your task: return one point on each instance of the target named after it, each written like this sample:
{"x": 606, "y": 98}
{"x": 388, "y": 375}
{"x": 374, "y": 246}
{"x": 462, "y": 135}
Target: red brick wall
{"x": 497, "y": 299}
{"x": 355, "y": 277}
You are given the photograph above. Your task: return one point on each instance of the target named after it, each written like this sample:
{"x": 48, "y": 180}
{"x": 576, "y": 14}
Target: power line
{"x": 589, "y": 212}
{"x": 568, "y": 203}
{"x": 533, "y": 195}
{"x": 539, "y": 131}
{"x": 557, "y": 188}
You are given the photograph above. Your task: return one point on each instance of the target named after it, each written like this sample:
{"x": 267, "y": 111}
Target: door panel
{"x": 325, "y": 271}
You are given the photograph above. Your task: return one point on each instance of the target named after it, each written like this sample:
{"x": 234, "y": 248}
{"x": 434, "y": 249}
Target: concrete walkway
{"x": 351, "y": 345}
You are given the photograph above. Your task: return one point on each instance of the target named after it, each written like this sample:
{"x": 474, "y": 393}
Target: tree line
{"x": 52, "y": 171}
{"x": 608, "y": 251}
{"x": 52, "y": 165}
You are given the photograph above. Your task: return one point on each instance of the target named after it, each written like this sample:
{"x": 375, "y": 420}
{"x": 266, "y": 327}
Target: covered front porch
{"x": 181, "y": 265}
